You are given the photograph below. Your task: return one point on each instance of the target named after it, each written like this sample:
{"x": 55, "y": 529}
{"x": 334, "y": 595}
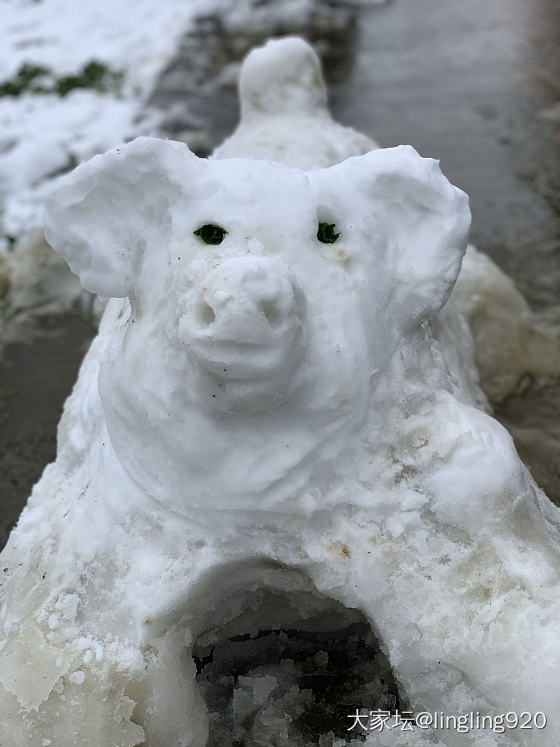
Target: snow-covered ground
{"x": 42, "y": 134}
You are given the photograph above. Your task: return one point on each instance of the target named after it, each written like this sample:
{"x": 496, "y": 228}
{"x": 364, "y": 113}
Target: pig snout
{"x": 246, "y": 321}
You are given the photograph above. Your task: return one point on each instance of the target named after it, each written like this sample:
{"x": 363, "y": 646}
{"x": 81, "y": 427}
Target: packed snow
{"x": 282, "y": 403}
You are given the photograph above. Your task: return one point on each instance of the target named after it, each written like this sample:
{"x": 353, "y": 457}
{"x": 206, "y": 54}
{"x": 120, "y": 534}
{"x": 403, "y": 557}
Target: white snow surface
{"x": 273, "y": 413}
{"x": 39, "y": 132}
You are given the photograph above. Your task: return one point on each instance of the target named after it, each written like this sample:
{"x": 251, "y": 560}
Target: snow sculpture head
{"x": 257, "y": 329}
{"x": 283, "y": 76}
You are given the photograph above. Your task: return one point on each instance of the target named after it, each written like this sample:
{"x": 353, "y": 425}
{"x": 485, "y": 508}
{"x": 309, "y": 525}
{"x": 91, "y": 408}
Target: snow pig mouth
{"x": 244, "y": 332}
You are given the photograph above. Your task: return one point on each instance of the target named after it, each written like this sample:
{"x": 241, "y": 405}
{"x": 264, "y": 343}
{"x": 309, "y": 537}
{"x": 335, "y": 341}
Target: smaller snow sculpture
{"x": 284, "y": 115}
{"x": 270, "y": 408}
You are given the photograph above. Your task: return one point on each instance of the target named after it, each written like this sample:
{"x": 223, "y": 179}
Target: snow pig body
{"x": 271, "y": 408}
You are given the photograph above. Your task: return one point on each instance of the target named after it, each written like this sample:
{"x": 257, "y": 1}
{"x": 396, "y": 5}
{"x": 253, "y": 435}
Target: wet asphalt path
{"x": 474, "y": 84}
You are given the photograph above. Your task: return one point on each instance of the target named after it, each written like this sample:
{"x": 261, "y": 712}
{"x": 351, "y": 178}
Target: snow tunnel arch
{"x": 277, "y": 660}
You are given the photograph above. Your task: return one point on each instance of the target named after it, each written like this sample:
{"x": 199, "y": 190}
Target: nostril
{"x": 206, "y": 314}
{"x": 271, "y": 312}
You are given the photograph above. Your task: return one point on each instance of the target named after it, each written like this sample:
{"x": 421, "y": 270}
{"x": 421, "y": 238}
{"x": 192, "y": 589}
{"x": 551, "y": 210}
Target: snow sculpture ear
{"x": 421, "y": 220}
{"x": 109, "y": 211}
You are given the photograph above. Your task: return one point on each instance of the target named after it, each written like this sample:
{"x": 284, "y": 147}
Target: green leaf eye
{"x": 326, "y": 234}
{"x": 211, "y": 234}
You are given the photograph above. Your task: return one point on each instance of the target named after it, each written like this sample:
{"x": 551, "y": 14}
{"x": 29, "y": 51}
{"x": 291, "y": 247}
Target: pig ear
{"x": 108, "y": 212}
{"x": 421, "y": 222}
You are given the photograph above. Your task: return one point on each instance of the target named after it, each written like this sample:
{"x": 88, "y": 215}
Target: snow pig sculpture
{"x": 278, "y": 403}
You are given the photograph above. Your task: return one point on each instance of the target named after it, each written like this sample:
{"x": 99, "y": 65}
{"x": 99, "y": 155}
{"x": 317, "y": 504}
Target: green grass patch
{"x": 36, "y": 79}
{"x": 28, "y": 78}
